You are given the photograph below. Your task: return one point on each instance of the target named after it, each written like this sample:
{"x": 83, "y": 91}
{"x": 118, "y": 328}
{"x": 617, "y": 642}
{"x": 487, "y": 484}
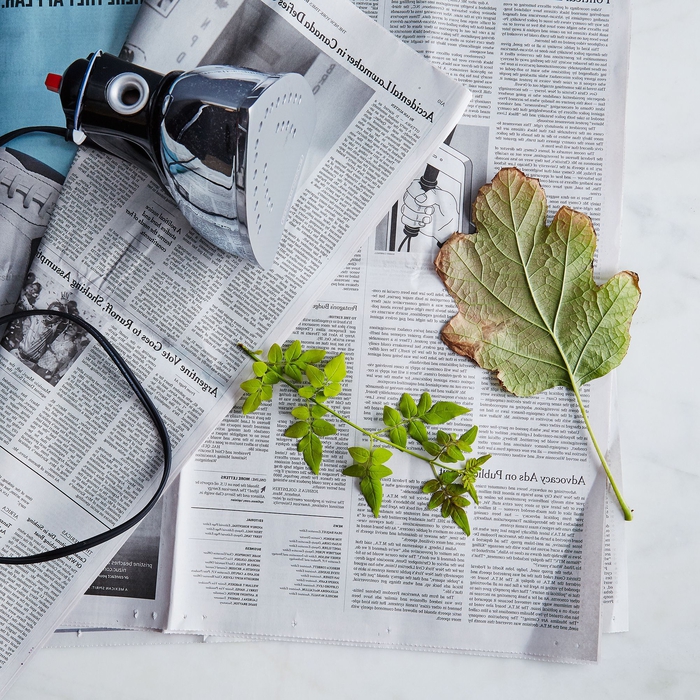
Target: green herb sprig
{"x": 454, "y": 475}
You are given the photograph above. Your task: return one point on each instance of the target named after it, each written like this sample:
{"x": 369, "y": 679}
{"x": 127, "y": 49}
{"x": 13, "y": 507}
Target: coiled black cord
{"x": 154, "y": 415}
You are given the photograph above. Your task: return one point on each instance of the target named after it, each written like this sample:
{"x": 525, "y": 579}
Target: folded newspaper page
{"x": 79, "y": 455}
{"x": 385, "y": 311}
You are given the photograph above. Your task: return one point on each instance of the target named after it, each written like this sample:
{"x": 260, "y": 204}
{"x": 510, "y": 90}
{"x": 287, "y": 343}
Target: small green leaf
{"x": 460, "y": 501}
{"x": 301, "y": 412}
{"x": 455, "y": 453}
{"x": 318, "y": 411}
{"x": 379, "y": 471}
{"x": 424, "y": 403}
{"x": 407, "y": 406}
{"x": 251, "y": 386}
{"x": 370, "y": 468}
{"x": 380, "y": 455}
{"x": 304, "y": 442}
{"x": 455, "y": 489}
{"x": 355, "y": 470}
{"x": 442, "y": 438}
{"x": 478, "y": 461}
{"x": 359, "y": 454}
{"x": 293, "y": 351}
{"x": 436, "y": 499}
{"x": 391, "y": 417}
{"x": 398, "y": 436}
{"x": 432, "y": 448}
{"x": 448, "y": 477}
{"x": 251, "y": 403}
{"x": 297, "y": 430}
{"x": 313, "y": 453}
{"x": 335, "y": 369}
{"x": 275, "y": 356}
{"x": 259, "y": 368}
{"x": 444, "y": 411}
{"x": 266, "y": 393}
{"x": 312, "y": 357}
{"x": 332, "y": 389}
{"x": 418, "y": 431}
{"x": 293, "y": 372}
{"x": 446, "y": 509}
{"x": 469, "y": 437}
{"x": 459, "y": 517}
{"x": 315, "y": 376}
{"x": 431, "y": 486}
{"x": 323, "y": 428}
{"x": 306, "y": 392}
{"x": 372, "y": 491}
{"x": 270, "y": 378}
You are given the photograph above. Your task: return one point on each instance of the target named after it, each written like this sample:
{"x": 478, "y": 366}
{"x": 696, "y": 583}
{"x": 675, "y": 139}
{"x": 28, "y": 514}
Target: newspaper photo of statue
{"x": 28, "y": 193}
{"x": 48, "y": 345}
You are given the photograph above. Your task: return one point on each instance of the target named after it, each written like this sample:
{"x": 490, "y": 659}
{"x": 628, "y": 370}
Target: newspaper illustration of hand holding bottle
{"x": 432, "y": 213}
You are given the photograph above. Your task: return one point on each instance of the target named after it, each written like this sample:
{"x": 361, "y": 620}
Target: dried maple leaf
{"x": 529, "y": 308}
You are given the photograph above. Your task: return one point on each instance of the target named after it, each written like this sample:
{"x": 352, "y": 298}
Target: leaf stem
{"x": 625, "y": 509}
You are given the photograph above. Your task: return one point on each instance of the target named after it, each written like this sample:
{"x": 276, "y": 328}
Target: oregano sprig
{"x": 454, "y": 475}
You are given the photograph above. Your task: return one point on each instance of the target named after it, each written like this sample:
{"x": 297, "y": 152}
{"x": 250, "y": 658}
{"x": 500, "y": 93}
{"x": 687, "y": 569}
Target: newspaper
{"x": 135, "y": 570}
{"x": 265, "y": 549}
{"x": 78, "y": 453}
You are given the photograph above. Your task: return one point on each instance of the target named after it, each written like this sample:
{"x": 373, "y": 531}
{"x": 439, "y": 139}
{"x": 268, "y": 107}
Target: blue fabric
{"x": 38, "y": 37}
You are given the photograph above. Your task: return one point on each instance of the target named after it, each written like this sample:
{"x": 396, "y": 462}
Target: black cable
{"x": 58, "y": 130}
{"x": 154, "y": 415}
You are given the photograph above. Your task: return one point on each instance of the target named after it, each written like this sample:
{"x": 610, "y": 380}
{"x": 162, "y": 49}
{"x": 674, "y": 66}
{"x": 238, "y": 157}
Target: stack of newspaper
{"x": 248, "y": 544}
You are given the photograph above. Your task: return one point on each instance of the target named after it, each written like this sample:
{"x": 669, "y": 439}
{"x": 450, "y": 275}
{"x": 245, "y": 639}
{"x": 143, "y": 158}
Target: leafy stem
{"x": 376, "y": 436}
{"x": 371, "y": 435}
{"x": 454, "y": 475}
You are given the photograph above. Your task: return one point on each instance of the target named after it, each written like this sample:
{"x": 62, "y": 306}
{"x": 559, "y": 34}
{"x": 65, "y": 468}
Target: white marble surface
{"x": 660, "y": 656}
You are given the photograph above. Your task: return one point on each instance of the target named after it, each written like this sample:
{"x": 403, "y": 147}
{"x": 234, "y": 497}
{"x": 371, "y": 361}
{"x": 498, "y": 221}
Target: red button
{"x": 53, "y": 82}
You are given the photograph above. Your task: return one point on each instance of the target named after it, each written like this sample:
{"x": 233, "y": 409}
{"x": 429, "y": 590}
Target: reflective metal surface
{"x": 232, "y": 146}
{"x": 229, "y": 143}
